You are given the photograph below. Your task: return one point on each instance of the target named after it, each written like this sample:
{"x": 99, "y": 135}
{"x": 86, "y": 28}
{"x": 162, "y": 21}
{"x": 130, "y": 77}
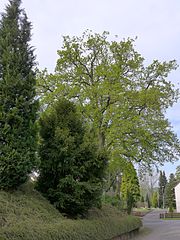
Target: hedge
{"x": 26, "y": 215}
{"x": 101, "y": 229}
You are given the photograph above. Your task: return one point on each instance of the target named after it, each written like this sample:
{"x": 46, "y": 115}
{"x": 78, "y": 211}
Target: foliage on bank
{"x": 26, "y": 215}
{"x": 101, "y": 229}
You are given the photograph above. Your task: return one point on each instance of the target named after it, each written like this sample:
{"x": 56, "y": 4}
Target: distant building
{"x": 177, "y": 194}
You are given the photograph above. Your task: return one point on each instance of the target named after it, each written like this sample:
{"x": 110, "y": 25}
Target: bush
{"x": 26, "y": 205}
{"x": 113, "y": 200}
{"x": 101, "y": 229}
{"x": 26, "y": 215}
{"x": 72, "y": 169}
{"x": 107, "y": 210}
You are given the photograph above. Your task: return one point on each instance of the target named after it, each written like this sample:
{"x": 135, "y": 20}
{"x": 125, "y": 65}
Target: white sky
{"x": 155, "y": 23}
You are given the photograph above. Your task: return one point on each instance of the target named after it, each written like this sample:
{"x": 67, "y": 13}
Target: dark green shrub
{"x": 71, "y": 169}
{"x": 113, "y": 200}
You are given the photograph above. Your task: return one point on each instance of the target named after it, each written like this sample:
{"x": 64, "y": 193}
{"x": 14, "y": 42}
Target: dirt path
{"x": 156, "y": 229}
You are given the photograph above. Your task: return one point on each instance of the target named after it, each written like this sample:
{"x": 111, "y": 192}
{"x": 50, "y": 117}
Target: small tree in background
{"x": 142, "y": 198}
{"x": 177, "y": 174}
{"x": 130, "y": 190}
{"x": 71, "y": 169}
{"x": 155, "y": 200}
{"x": 162, "y": 186}
{"x": 170, "y": 192}
{"x": 148, "y": 201}
{"x": 17, "y": 98}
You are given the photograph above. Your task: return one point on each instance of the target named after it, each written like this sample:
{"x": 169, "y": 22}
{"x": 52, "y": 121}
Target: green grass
{"x": 26, "y": 215}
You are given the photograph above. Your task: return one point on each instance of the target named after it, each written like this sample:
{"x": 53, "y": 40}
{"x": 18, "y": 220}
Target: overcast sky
{"x": 156, "y": 23}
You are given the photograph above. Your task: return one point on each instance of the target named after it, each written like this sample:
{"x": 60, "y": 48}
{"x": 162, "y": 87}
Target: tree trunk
{"x": 101, "y": 140}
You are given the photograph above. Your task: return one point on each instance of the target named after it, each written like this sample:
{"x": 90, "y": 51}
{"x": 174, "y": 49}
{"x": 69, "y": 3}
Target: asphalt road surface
{"x": 156, "y": 229}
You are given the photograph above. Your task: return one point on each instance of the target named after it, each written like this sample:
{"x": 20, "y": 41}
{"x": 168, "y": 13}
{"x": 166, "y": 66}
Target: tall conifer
{"x": 170, "y": 192}
{"x": 72, "y": 168}
{"x": 162, "y": 186}
{"x": 17, "y": 98}
{"x": 130, "y": 190}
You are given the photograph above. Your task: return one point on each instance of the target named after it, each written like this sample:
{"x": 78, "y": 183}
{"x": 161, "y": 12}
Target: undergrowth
{"x": 26, "y": 215}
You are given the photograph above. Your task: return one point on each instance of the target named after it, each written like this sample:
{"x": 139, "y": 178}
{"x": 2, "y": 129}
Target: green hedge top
{"x": 28, "y": 216}
{"x": 101, "y": 229}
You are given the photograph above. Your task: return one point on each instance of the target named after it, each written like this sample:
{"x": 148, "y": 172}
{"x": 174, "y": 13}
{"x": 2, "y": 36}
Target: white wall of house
{"x": 177, "y": 194}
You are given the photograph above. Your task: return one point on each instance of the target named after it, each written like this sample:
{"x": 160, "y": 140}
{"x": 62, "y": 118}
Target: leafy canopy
{"x": 123, "y": 100}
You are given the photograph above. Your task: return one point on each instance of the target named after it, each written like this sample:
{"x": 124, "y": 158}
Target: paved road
{"x": 156, "y": 229}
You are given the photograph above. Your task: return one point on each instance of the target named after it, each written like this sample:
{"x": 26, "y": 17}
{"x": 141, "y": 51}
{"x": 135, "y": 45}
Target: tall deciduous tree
{"x": 71, "y": 169}
{"x": 17, "y": 98}
{"x": 123, "y": 100}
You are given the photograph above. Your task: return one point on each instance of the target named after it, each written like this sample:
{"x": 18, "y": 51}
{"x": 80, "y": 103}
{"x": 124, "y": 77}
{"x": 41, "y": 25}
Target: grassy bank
{"x": 26, "y": 215}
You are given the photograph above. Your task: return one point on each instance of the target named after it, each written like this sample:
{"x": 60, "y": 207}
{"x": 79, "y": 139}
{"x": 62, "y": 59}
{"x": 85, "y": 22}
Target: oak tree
{"x": 123, "y": 100}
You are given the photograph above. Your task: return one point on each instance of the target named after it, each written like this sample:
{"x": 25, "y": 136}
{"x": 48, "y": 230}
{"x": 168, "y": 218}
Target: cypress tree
{"x": 162, "y": 186}
{"x": 178, "y": 173}
{"x": 130, "y": 189}
{"x": 155, "y": 199}
{"x": 170, "y": 192}
{"x": 148, "y": 201}
{"x": 18, "y": 105}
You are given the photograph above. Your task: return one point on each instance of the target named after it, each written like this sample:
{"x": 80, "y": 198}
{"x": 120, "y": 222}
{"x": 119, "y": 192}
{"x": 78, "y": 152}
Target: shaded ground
{"x": 157, "y": 229}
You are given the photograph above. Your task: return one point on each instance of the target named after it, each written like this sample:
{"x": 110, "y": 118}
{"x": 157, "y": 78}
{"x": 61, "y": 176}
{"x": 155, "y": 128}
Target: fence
{"x": 170, "y": 215}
